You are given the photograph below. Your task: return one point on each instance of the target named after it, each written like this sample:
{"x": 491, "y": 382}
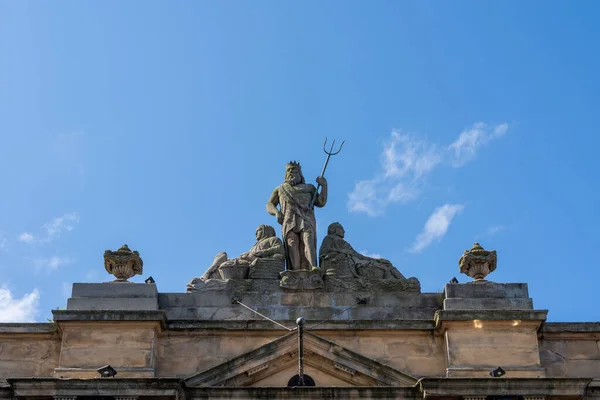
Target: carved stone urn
{"x": 123, "y": 263}
{"x": 477, "y": 262}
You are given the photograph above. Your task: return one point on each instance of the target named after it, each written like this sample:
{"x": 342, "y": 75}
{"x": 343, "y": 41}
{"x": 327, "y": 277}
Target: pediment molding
{"x": 319, "y": 353}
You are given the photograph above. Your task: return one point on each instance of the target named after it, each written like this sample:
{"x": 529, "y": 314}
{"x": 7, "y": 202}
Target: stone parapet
{"x": 311, "y": 305}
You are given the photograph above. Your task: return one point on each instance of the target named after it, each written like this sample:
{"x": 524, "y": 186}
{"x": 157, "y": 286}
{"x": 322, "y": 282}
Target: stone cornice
{"x": 351, "y": 392}
{"x": 442, "y": 387}
{"x": 29, "y": 328}
{"x": 85, "y": 387}
{"x": 572, "y": 327}
{"x": 444, "y": 316}
{"x": 65, "y": 316}
{"x": 570, "y": 331}
{"x": 331, "y": 325}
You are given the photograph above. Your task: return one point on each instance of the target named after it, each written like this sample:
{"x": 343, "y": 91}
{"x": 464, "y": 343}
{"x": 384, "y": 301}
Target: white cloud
{"x": 406, "y": 161}
{"x": 26, "y": 237}
{"x": 404, "y": 155}
{"x": 60, "y": 224}
{"x": 491, "y": 231}
{"x": 465, "y": 147}
{"x": 52, "y": 263}
{"x": 24, "y": 309}
{"x": 436, "y": 226}
{"x": 51, "y": 230}
{"x": 372, "y": 255}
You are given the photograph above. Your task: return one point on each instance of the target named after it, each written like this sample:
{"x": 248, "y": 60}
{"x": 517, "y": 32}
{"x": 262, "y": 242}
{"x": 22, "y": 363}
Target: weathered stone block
{"x": 487, "y": 290}
{"x": 94, "y": 357}
{"x": 488, "y": 304}
{"x": 492, "y": 346}
{"x": 112, "y": 290}
{"x": 112, "y": 304}
{"x": 573, "y": 349}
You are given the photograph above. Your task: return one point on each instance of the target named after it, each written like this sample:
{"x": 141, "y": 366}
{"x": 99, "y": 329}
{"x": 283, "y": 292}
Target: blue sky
{"x": 166, "y": 125}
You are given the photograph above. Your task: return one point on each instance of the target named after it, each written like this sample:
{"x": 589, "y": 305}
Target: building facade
{"x": 369, "y": 336}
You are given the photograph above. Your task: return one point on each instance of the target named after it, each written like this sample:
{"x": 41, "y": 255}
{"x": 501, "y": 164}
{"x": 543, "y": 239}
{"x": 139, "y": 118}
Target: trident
{"x": 329, "y": 154}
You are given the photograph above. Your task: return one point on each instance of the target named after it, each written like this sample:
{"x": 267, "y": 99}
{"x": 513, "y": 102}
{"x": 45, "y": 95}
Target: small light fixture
{"x": 497, "y": 373}
{"x": 149, "y": 280}
{"x": 107, "y": 371}
{"x": 362, "y": 300}
{"x": 454, "y": 280}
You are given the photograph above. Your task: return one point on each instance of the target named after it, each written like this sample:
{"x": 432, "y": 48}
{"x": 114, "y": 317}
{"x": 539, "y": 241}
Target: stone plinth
{"x": 109, "y": 296}
{"x": 487, "y": 296}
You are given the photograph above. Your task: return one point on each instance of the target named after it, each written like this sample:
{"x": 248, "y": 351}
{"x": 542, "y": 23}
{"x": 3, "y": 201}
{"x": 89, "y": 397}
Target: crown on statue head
{"x": 294, "y": 164}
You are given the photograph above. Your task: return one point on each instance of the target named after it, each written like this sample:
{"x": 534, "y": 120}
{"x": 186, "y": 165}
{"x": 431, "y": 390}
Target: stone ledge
{"x": 285, "y": 313}
{"x": 484, "y": 372}
{"x": 449, "y": 387}
{"x": 489, "y": 315}
{"x": 96, "y": 315}
{"x": 331, "y": 325}
{"x": 91, "y": 373}
{"x": 28, "y": 328}
{"x": 488, "y": 304}
{"x": 93, "y": 387}
{"x": 571, "y": 327}
{"x": 340, "y": 392}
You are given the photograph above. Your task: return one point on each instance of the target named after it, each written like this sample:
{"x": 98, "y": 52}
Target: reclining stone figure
{"x": 267, "y": 252}
{"x": 335, "y": 253}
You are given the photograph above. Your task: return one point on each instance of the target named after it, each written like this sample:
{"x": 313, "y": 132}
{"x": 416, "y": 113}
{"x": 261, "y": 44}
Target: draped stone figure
{"x": 297, "y": 217}
{"x": 336, "y": 253}
{"x": 266, "y": 252}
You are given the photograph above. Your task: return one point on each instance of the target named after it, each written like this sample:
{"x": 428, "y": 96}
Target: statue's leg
{"x": 310, "y": 252}
{"x": 213, "y": 269}
{"x": 292, "y": 241}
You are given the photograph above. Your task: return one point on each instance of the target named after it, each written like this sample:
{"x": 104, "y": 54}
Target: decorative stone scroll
{"x": 302, "y": 279}
{"x": 123, "y": 263}
{"x": 477, "y": 262}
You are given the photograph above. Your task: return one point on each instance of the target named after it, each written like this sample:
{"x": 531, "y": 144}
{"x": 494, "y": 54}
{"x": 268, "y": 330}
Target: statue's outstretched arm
{"x": 272, "y": 206}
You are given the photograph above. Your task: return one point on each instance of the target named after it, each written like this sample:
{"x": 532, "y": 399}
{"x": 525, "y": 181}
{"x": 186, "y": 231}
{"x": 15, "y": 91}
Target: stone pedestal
{"x": 487, "y": 296}
{"x": 109, "y": 324}
{"x": 489, "y": 325}
{"x": 111, "y": 296}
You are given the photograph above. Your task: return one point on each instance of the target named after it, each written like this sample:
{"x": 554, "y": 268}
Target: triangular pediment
{"x": 333, "y": 363}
